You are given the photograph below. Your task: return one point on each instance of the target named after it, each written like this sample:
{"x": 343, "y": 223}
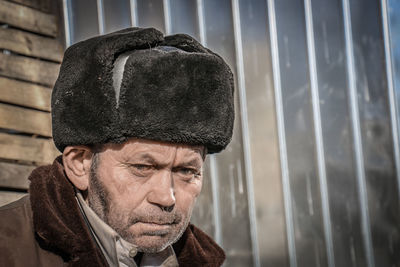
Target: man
{"x": 134, "y": 114}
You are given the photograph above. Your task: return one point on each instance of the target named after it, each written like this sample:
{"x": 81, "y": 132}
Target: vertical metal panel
{"x": 326, "y": 217}
{"x": 167, "y": 16}
{"x": 377, "y": 141}
{"x": 202, "y": 27}
{"x": 393, "y": 13}
{"x": 83, "y": 20}
{"x": 245, "y": 130}
{"x": 336, "y": 130}
{"x": 391, "y": 88}
{"x": 233, "y": 189}
{"x": 116, "y": 15}
{"x": 262, "y": 133}
{"x": 394, "y": 32}
{"x": 297, "y": 107}
{"x": 151, "y": 14}
{"x": 281, "y": 135}
{"x": 365, "y": 222}
{"x": 184, "y": 17}
{"x": 100, "y": 16}
{"x": 133, "y": 10}
{"x": 215, "y": 190}
{"x": 67, "y": 26}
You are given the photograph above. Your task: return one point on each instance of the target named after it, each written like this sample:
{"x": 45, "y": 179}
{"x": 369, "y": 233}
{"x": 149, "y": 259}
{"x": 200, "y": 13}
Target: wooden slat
{"x": 27, "y": 18}
{"x": 30, "y": 44}
{"x": 7, "y": 197}
{"x": 43, "y": 5}
{"x": 25, "y": 94}
{"x": 29, "y": 69}
{"x": 25, "y": 120}
{"x": 41, "y": 151}
{"x": 14, "y": 175}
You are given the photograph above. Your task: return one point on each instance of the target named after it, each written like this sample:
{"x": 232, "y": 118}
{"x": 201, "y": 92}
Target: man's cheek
{"x": 118, "y": 218}
{"x": 186, "y": 199}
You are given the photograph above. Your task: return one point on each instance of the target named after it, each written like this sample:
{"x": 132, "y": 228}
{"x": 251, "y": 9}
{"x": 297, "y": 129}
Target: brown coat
{"x": 46, "y": 228}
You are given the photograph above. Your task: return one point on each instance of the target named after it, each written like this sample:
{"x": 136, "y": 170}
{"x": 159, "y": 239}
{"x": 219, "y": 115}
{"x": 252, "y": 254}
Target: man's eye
{"x": 142, "y": 167}
{"x": 187, "y": 173}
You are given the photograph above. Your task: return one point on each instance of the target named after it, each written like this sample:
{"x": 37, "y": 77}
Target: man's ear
{"x": 77, "y": 161}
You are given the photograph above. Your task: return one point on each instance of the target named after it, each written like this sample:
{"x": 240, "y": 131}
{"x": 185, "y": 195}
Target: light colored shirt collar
{"x": 116, "y": 250}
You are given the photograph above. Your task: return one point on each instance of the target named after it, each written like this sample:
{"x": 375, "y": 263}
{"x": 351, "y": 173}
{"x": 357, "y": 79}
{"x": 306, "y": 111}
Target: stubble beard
{"x": 100, "y": 202}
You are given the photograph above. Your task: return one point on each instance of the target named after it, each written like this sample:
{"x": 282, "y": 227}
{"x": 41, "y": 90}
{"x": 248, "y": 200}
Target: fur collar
{"x": 57, "y": 220}
{"x": 61, "y": 229}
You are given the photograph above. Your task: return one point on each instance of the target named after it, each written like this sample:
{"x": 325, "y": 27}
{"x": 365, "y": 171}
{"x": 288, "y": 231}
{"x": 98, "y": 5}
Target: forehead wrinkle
{"x": 163, "y": 153}
{"x": 193, "y": 158}
{"x": 154, "y": 157}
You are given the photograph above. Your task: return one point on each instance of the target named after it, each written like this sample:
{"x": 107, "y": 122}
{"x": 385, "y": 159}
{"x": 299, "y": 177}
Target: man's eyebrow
{"x": 193, "y": 162}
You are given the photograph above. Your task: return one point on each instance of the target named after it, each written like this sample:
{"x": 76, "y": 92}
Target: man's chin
{"x": 153, "y": 238}
{"x": 151, "y": 243}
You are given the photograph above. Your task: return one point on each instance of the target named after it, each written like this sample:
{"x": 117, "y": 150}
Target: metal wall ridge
{"x": 318, "y": 133}
{"x": 245, "y": 131}
{"x": 362, "y": 190}
{"x": 281, "y": 135}
{"x": 392, "y": 95}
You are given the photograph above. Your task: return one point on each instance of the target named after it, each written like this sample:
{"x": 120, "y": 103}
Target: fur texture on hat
{"x": 137, "y": 83}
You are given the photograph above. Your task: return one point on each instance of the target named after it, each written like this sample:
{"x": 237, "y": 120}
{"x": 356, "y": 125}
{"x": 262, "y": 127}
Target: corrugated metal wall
{"x": 311, "y": 176}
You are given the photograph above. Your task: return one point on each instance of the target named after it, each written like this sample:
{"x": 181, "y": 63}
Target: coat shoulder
{"x": 15, "y": 220}
{"x": 18, "y": 244}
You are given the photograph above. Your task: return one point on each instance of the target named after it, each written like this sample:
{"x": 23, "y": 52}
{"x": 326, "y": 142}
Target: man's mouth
{"x": 158, "y": 222}
{"x": 154, "y": 228}
{"x": 154, "y": 222}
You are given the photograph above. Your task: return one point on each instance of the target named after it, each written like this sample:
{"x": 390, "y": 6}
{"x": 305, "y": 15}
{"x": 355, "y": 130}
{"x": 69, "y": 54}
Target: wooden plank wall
{"x": 30, "y": 54}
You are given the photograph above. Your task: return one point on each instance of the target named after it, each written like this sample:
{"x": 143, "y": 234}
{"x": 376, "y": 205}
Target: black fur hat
{"x": 138, "y": 83}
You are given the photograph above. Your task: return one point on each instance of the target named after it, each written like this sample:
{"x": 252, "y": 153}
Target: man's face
{"x": 146, "y": 190}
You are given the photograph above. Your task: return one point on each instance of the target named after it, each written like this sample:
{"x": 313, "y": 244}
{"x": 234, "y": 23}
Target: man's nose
{"x": 162, "y": 193}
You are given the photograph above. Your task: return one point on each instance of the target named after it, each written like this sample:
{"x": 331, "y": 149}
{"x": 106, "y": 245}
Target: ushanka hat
{"x": 138, "y": 83}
